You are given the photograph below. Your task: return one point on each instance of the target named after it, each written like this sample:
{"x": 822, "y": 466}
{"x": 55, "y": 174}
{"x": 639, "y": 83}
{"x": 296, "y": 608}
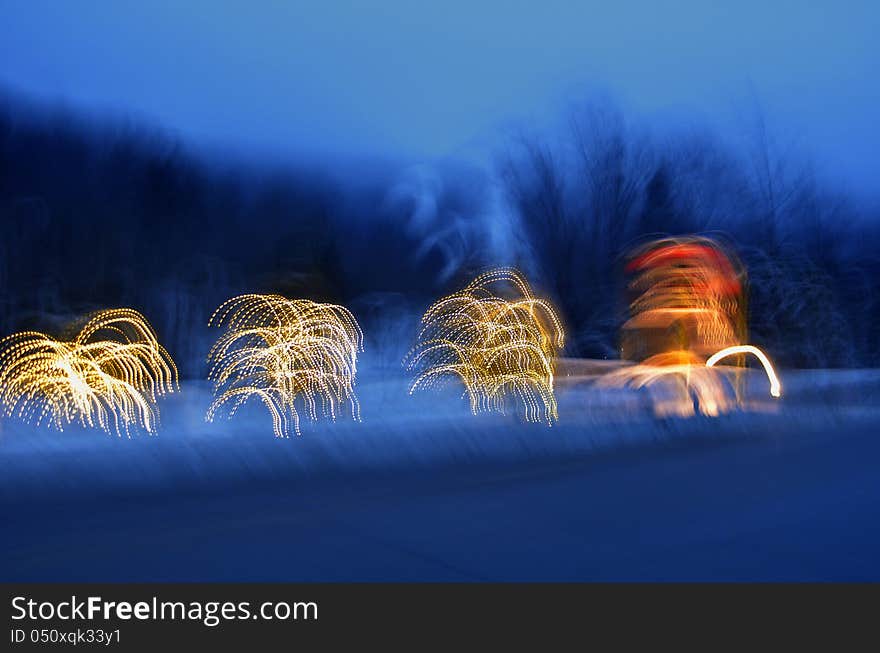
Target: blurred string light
{"x": 498, "y": 348}
{"x": 109, "y": 376}
{"x": 686, "y": 315}
{"x": 284, "y": 352}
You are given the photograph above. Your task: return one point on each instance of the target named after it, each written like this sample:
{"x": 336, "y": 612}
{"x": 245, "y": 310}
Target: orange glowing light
{"x": 687, "y": 313}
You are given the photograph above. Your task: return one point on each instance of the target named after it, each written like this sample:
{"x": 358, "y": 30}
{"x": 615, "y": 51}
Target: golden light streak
{"x": 109, "y": 376}
{"x": 498, "y": 348}
{"x": 775, "y": 386}
{"x": 285, "y": 352}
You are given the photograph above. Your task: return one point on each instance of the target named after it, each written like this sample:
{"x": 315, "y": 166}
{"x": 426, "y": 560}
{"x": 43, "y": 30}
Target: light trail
{"x": 775, "y": 386}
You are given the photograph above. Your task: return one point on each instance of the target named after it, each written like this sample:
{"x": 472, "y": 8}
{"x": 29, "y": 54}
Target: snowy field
{"x": 423, "y": 490}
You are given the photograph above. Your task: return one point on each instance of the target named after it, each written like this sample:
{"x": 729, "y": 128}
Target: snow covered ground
{"x": 423, "y": 490}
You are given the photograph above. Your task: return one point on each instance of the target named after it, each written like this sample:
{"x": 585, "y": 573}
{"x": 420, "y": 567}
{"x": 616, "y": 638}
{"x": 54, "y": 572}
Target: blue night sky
{"x": 417, "y": 80}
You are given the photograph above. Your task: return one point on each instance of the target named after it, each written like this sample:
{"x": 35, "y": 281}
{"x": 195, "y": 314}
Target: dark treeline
{"x": 98, "y": 215}
{"x": 583, "y": 198}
